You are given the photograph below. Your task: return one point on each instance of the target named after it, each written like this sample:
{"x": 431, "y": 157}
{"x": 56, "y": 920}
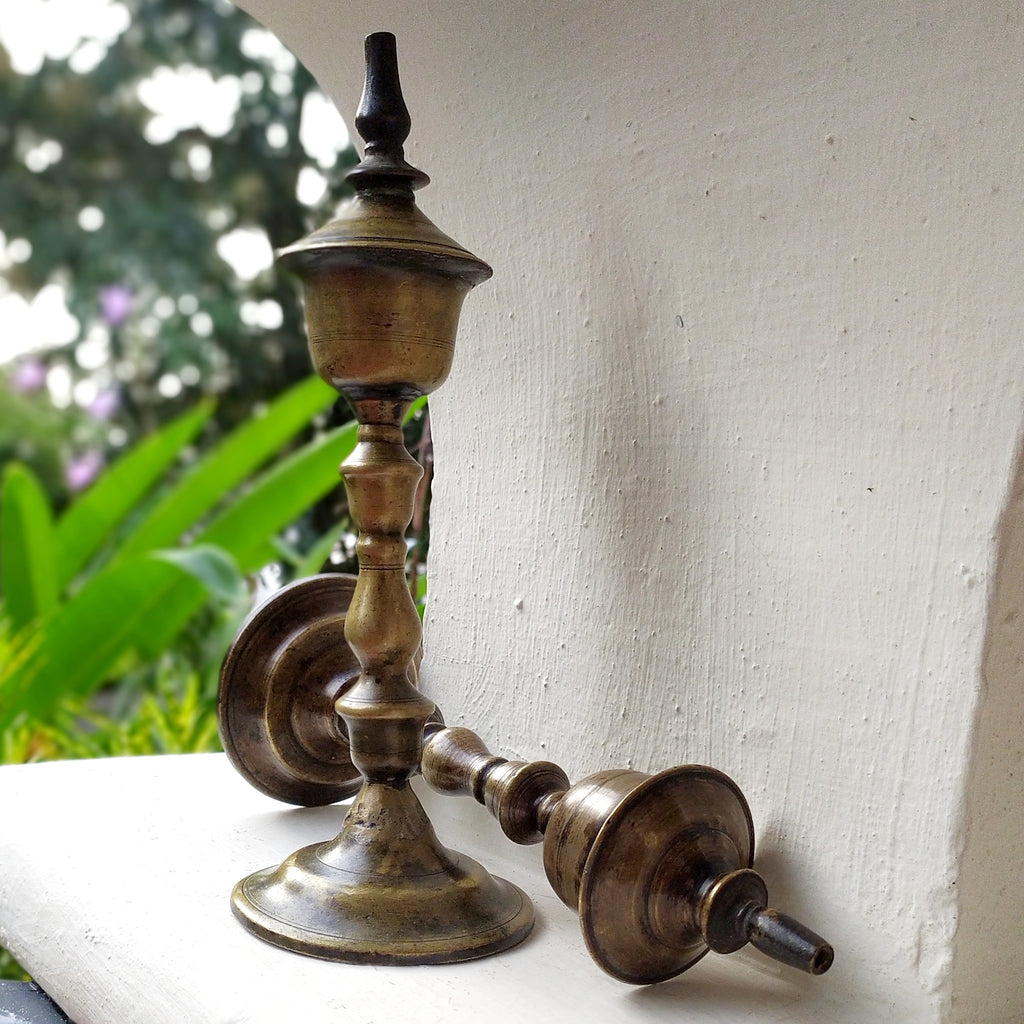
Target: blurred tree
{"x": 146, "y": 176}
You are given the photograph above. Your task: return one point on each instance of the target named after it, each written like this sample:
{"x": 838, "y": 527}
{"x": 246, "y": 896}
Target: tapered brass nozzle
{"x": 734, "y": 911}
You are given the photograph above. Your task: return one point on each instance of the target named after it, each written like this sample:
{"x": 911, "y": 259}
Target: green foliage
{"x": 148, "y": 286}
{"x": 141, "y": 554}
{"x": 28, "y": 564}
{"x": 10, "y": 969}
{"x": 179, "y": 717}
{"x": 420, "y": 596}
{"x": 102, "y": 508}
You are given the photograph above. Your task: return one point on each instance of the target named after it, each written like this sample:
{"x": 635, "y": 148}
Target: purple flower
{"x": 83, "y": 469}
{"x": 116, "y": 303}
{"x": 29, "y": 376}
{"x": 104, "y": 405}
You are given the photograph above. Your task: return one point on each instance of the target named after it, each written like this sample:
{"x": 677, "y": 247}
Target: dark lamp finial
{"x": 382, "y": 118}
{"x": 383, "y": 122}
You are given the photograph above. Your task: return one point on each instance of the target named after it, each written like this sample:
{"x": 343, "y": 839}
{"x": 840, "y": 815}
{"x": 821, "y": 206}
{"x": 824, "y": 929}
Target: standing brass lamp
{"x": 383, "y": 289}
{"x": 318, "y": 696}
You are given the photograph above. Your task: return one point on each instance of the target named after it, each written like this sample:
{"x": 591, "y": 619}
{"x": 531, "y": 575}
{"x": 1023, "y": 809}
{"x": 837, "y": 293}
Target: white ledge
{"x": 114, "y": 885}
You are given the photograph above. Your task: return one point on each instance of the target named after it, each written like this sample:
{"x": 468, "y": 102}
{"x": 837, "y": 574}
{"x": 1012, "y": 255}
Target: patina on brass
{"x": 656, "y": 866}
{"x": 278, "y": 685}
{"x": 383, "y": 290}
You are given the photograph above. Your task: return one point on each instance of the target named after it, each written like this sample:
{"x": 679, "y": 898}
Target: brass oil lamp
{"x": 318, "y": 696}
{"x": 383, "y": 289}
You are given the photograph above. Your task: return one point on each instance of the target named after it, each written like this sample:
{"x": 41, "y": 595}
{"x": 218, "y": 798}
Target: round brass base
{"x": 406, "y": 901}
{"x": 278, "y": 684}
{"x": 664, "y": 824}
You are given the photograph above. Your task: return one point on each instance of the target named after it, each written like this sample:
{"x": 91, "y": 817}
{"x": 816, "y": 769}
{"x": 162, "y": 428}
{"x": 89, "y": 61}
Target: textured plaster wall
{"x": 724, "y": 465}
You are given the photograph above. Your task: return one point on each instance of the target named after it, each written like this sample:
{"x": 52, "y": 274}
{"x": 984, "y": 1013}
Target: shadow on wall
{"x": 986, "y": 974}
{"x": 650, "y": 483}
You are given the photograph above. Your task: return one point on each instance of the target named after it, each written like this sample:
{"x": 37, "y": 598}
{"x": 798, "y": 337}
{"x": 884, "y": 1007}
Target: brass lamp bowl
{"x": 384, "y": 289}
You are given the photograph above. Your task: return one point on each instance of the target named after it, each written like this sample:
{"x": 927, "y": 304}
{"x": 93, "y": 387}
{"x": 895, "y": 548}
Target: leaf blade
{"x": 213, "y": 567}
{"x": 278, "y": 497}
{"x": 28, "y": 548}
{"x": 246, "y": 528}
{"x": 231, "y": 461}
{"x": 80, "y": 643}
{"x": 104, "y": 506}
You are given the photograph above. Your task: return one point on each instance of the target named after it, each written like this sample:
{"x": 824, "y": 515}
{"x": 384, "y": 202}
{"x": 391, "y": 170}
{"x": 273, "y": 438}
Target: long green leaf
{"x": 212, "y": 566}
{"x": 84, "y": 639}
{"x": 27, "y": 547}
{"x": 98, "y": 512}
{"x": 246, "y": 528}
{"x": 279, "y": 496}
{"x": 233, "y": 460}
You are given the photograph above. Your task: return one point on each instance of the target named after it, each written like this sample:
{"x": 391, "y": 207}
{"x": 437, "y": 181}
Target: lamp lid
{"x": 381, "y": 224}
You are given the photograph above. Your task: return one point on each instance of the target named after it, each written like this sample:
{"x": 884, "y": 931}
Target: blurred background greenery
{"x": 166, "y": 457}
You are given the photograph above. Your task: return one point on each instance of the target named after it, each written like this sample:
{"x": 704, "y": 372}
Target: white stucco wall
{"x": 724, "y": 465}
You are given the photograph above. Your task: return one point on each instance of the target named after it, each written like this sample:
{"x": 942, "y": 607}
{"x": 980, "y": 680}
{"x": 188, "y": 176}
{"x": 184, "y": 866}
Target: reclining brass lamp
{"x": 318, "y": 696}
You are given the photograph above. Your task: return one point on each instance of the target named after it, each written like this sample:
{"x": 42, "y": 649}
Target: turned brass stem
{"x": 519, "y": 794}
{"x": 384, "y": 712}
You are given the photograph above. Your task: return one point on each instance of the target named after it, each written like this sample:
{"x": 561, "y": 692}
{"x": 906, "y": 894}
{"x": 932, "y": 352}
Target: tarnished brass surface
{"x": 665, "y": 839}
{"x": 656, "y": 866}
{"x": 518, "y": 793}
{"x": 279, "y": 682}
{"x": 383, "y": 286}
{"x": 383, "y": 289}
{"x": 278, "y": 685}
{"x": 403, "y": 900}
